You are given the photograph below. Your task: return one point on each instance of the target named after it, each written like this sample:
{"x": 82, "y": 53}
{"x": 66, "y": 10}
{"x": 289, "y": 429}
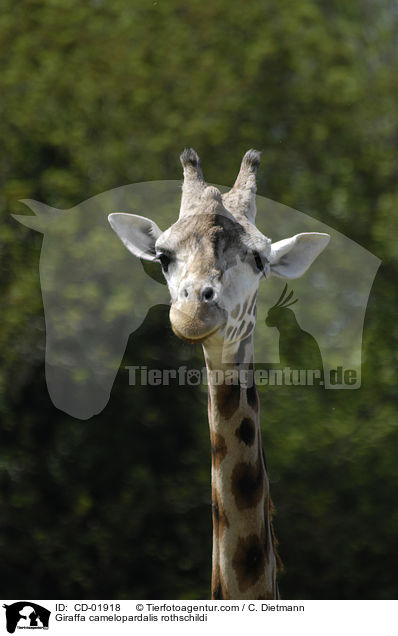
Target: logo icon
{"x": 26, "y": 615}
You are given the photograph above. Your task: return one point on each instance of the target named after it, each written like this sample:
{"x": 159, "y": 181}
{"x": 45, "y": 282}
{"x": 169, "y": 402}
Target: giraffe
{"x": 213, "y": 258}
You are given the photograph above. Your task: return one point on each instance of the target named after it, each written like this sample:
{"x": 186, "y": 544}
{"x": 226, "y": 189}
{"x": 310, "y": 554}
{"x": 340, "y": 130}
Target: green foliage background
{"x": 98, "y": 94}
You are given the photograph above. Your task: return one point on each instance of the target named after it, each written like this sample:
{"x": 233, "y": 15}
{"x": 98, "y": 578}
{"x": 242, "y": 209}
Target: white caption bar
{"x": 165, "y": 617}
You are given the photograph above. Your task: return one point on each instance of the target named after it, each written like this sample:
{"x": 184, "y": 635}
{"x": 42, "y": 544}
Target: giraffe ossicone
{"x": 213, "y": 259}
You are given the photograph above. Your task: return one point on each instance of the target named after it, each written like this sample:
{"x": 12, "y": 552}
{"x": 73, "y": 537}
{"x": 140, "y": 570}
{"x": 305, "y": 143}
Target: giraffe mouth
{"x": 196, "y": 322}
{"x": 195, "y": 339}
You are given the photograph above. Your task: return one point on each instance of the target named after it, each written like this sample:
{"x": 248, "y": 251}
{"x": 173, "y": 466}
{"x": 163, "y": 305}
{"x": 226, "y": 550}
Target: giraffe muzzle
{"x": 195, "y": 322}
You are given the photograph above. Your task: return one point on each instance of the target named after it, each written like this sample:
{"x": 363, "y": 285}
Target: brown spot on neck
{"x": 249, "y": 561}
{"x": 248, "y": 483}
{"x": 228, "y": 396}
{"x": 218, "y": 448}
{"x": 246, "y": 432}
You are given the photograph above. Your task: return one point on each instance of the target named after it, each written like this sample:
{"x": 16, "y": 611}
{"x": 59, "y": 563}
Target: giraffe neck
{"x": 244, "y": 564}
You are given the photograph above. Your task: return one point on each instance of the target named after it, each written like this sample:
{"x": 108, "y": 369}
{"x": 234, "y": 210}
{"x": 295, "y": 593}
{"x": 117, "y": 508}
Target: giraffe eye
{"x": 164, "y": 261}
{"x": 258, "y": 261}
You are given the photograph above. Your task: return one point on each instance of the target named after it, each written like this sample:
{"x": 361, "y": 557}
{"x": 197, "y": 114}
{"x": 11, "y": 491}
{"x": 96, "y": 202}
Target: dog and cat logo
{"x": 26, "y": 615}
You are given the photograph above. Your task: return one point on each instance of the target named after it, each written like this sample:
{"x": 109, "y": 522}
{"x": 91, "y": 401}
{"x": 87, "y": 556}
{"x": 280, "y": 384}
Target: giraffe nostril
{"x": 186, "y": 293}
{"x": 208, "y": 293}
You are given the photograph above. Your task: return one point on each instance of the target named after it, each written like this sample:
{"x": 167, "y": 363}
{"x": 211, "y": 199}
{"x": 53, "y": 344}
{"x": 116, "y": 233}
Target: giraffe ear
{"x": 292, "y": 257}
{"x": 137, "y": 233}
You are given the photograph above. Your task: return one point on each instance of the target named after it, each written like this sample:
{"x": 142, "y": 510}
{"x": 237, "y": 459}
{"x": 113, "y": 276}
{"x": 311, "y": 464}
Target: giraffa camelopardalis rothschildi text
{"x": 213, "y": 259}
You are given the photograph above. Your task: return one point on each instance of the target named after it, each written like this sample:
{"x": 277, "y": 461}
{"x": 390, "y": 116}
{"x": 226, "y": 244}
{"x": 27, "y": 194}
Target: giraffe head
{"x": 214, "y": 257}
